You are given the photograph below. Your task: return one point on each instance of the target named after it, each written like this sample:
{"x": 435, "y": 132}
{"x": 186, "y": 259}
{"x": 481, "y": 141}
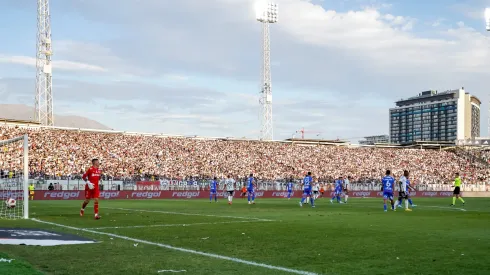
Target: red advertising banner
{"x": 112, "y": 195}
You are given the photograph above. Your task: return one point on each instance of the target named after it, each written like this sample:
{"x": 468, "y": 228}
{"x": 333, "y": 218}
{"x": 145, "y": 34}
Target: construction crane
{"x": 302, "y": 131}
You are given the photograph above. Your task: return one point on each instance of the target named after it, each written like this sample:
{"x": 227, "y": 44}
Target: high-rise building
{"x": 432, "y": 116}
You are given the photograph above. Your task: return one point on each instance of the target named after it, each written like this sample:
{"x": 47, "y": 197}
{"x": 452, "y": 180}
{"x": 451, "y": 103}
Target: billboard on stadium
{"x": 156, "y": 194}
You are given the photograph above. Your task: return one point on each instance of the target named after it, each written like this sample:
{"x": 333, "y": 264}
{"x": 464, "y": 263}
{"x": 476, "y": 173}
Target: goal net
{"x": 14, "y": 178}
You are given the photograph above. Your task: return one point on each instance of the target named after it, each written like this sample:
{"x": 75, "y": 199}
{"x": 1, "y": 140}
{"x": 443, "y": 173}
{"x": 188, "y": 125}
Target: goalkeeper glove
{"x": 90, "y": 185}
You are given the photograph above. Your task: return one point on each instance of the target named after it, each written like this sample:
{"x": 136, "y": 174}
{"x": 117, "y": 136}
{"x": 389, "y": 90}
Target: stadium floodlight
{"x": 266, "y": 13}
{"x": 43, "y": 104}
{"x": 487, "y": 18}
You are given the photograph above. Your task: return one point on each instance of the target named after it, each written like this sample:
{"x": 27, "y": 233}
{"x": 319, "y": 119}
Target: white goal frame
{"x": 25, "y": 185}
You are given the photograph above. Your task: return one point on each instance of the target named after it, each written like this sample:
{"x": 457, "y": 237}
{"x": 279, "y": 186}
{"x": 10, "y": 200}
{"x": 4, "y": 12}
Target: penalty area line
{"x": 445, "y": 207}
{"x": 185, "y": 250}
{"x": 166, "y": 225}
{"x": 188, "y": 214}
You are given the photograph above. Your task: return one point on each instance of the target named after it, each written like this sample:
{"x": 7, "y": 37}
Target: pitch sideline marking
{"x": 165, "y": 225}
{"x": 211, "y": 255}
{"x": 445, "y": 207}
{"x": 188, "y": 214}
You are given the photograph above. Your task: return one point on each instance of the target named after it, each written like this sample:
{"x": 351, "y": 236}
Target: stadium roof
{"x": 319, "y": 141}
{"x": 18, "y": 121}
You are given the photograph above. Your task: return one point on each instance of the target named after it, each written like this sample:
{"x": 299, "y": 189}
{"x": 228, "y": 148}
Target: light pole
{"x": 487, "y": 18}
{"x": 44, "y": 87}
{"x": 266, "y": 13}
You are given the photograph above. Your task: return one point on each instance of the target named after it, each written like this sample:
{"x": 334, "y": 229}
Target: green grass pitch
{"x": 274, "y": 236}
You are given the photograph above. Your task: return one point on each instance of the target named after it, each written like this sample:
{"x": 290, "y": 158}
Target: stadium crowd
{"x": 67, "y": 153}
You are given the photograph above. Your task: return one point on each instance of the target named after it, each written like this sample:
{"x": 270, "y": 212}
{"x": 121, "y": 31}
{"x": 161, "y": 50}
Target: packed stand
{"x": 67, "y": 153}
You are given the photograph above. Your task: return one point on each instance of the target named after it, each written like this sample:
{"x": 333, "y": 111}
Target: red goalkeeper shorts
{"x": 92, "y": 193}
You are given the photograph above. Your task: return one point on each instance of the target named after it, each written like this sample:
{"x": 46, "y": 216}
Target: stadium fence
{"x": 176, "y": 184}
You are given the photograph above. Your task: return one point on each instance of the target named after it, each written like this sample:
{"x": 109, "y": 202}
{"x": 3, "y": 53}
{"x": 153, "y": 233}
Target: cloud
{"x": 58, "y": 64}
{"x": 470, "y": 11}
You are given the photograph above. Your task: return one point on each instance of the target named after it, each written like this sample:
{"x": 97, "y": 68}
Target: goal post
{"x": 14, "y": 178}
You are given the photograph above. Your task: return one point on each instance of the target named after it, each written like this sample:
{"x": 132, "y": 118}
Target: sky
{"x": 192, "y": 67}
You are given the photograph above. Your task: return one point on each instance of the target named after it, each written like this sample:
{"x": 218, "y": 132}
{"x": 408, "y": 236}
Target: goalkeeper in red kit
{"x": 92, "y": 178}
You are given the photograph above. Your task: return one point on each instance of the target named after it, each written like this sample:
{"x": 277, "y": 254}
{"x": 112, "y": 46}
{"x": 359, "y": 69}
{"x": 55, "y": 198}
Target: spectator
{"x": 63, "y": 154}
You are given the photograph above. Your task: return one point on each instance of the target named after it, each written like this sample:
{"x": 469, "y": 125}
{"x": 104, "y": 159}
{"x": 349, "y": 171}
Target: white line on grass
{"x": 211, "y": 255}
{"x": 166, "y": 225}
{"x": 445, "y": 207}
{"x": 189, "y": 214}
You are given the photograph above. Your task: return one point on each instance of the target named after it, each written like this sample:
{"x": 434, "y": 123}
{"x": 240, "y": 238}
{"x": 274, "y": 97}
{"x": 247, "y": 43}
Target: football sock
{"x": 253, "y": 197}
{"x": 84, "y": 205}
{"x": 346, "y": 197}
{"x": 210, "y": 197}
{"x": 454, "y": 200}
{"x": 406, "y": 204}
{"x": 410, "y": 201}
{"x": 397, "y": 203}
{"x": 312, "y": 201}
{"x": 96, "y": 208}
{"x": 461, "y": 199}
{"x": 384, "y": 206}
{"x": 303, "y": 200}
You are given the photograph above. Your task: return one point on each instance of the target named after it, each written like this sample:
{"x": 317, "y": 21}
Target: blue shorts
{"x": 387, "y": 195}
{"x": 338, "y": 192}
{"x": 250, "y": 191}
{"x": 306, "y": 192}
{"x": 212, "y": 192}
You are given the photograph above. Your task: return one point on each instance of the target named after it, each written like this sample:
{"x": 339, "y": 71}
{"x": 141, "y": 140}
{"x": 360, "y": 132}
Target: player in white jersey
{"x": 230, "y": 188}
{"x": 403, "y": 188}
{"x": 346, "y": 188}
{"x": 316, "y": 190}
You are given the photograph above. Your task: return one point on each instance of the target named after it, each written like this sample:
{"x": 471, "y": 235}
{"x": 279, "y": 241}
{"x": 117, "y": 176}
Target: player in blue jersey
{"x": 338, "y": 190}
{"x": 251, "y": 189}
{"x": 213, "y": 190}
{"x": 307, "y": 184}
{"x": 388, "y": 186}
{"x": 410, "y": 188}
{"x": 289, "y": 188}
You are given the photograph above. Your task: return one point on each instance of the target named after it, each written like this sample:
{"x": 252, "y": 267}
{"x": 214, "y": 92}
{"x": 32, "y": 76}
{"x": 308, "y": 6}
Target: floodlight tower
{"x": 266, "y": 14}
{"x": 487, "y": 18}
{"x": 44, "y": 86}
